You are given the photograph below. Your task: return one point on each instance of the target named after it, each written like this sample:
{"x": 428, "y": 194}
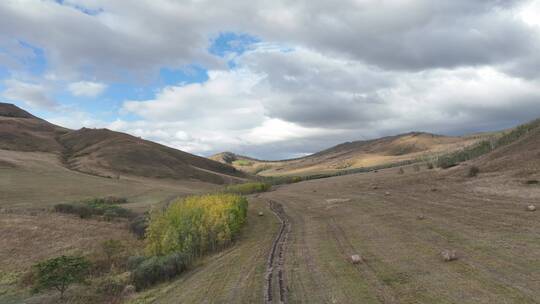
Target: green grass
{"x": 242, "y": 162}
{"x": 248, "y": 188}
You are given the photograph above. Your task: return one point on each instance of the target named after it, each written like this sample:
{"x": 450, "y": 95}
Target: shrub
{"x": 401, "y": 171}
{"x": 138, "y": 226}
{"x": 103, "y": 207}
{"x": 81, "y": 210}
{"x": 430, "y": 166}
{"x": 134, "y": 261}
{"x": 473, "y": 171}
{"x": 248, "y": 188}
{"x": 196, "y": 224}
{"x": 59, "y": 273}
{"x": 158, "y": 269}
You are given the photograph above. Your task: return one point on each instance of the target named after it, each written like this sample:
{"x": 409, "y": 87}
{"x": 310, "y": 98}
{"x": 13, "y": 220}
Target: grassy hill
{"x": 352, "y": 155}
{"x": 104, "y": 152}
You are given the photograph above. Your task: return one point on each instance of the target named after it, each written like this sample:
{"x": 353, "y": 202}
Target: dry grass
{"x": 481, "y": 219}
{"x": 353, "y": 155}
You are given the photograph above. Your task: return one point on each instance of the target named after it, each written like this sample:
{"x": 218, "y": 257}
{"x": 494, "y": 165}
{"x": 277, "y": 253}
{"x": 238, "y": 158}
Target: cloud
{"x": 360, "y": 69}
{"x": 281, "y": 98}
{"x": 110, "y": 39}
{"x": 87, "y": 88}
{"x": 34, "y": 95}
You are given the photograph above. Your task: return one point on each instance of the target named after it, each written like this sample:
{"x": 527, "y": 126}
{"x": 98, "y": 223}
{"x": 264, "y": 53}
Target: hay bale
{"x": 420, "y": 217}
{"x": 449, "y": 255}
{"x": 261, "y": 213}
{"x": 356, "y": 259}
{"x": 531, "y": 208}
{"x": 387, "y": 193}
{"x": 375, "y": 187}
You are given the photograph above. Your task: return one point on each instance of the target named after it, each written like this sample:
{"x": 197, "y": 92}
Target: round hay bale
{"x": 420, "y": 217}
{"x": 449, "y": 255}
{"x": 387, "y": 193}
{"x": 356, "y": 259}
{"x": 261, "y": 213}
{"x": 531, "y": 208}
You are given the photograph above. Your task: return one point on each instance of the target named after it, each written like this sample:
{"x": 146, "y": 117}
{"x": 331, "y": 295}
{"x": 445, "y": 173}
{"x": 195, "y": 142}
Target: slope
{"x": 351, "y": 155}
{"x": 104, "y": 152}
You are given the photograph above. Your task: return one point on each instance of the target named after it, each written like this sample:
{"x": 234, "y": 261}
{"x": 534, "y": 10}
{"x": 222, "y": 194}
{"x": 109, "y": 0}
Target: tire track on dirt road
{"x": 274, "y": 265}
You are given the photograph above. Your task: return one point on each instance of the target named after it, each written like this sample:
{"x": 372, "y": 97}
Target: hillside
{"x": 521, "y": 156}
{"x": 351, "y": 155}
{"x": 21, "y": 131}
{"x": 104, "y": 152}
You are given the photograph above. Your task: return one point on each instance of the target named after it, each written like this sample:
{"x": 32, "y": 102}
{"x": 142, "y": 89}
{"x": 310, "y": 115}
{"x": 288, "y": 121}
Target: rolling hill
{"x": 351, "y": 155}
{"x": 104, "y": 152}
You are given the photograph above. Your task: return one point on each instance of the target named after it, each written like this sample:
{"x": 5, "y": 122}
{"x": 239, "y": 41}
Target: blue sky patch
{"x": 229, "y": 42}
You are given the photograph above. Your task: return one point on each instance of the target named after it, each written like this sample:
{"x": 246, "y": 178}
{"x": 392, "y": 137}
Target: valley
{"x": 299, "y": 237}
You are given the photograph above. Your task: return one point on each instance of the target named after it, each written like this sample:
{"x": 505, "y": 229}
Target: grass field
{"x": 334, "y": 218}
{"x": 40, "y": 181}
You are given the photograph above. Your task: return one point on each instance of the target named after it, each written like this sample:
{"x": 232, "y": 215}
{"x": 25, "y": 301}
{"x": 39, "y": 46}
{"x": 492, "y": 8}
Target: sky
{"x": 272, "y": 79}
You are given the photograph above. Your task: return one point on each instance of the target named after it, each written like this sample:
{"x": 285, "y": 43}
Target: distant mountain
{"x": 104, "y": 152}
{"x": 352, "y": 155}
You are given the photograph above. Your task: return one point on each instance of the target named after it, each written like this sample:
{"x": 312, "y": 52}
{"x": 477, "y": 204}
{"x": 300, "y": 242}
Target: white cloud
{"x": 86, "y": 88}
{"x": 360, "y": 69}
{"x": 280, "y": 99}
{"x": 34, "y": 95}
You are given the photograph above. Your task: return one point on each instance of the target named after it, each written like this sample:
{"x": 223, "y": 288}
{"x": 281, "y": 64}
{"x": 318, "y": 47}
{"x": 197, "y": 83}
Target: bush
{"x": 134, "y": 261}
{"x": 59, "y": 273}
{"x": 81, "y": 210}
{"x": 196, "y": 224}
{"x": 103, "y": 207}
{"x": 248, "y": 188}
{"x": 158, "y": 269}
{"x": 401, "y": 171}
{"x": 138, "y": 226}
{"x": 430, "y": 166}
{"x": 473, "y": 171}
